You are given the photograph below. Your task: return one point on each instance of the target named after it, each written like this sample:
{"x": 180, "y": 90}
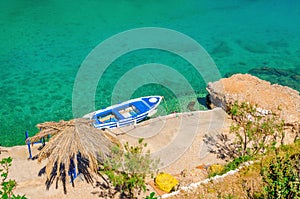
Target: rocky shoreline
{"x": 264, "y": 95}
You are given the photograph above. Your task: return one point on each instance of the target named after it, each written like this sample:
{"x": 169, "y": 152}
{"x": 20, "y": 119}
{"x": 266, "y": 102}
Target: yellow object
{"x": 216, "y": 169}
{"x": 166, "y": 182}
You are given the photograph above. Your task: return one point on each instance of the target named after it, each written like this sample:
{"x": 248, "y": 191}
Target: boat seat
{"x": 117, "y": 114}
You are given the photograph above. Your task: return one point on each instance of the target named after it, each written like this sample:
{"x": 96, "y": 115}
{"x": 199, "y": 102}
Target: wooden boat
{"x": 126, "y": 113}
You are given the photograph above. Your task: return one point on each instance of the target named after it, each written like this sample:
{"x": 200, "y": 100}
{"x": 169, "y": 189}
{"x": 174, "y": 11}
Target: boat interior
{"x": 118, "y": 114}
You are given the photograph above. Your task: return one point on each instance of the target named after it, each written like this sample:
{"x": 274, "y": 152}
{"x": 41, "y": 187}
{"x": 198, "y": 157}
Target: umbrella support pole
{"x": 28, "y": 144}
{"x": 72, "y": 173}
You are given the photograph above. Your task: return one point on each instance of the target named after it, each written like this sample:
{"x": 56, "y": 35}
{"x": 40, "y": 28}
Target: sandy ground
{"x": 177, "y": 140}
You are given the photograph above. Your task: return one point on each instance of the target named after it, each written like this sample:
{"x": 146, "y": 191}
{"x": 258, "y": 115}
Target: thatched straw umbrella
{"x": 74, "y": 145}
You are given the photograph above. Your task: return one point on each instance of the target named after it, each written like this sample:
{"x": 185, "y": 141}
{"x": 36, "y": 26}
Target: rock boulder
{"x": 248, "y": 88}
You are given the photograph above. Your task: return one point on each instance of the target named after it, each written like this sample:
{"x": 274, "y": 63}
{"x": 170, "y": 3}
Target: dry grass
{"x": 243, "y": 184}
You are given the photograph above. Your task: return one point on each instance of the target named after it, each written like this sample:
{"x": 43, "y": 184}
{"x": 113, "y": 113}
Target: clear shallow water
{"x": 43, "y": 44}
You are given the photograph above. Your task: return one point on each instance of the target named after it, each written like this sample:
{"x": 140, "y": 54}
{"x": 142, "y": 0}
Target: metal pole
{"x": 28, "y": 144}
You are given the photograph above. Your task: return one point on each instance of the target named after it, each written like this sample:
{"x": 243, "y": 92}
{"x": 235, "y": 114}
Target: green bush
{"x": 215, "y": 169}
{"x": 281, "y": 174}
{"x": 255, "y": 132}
{"x": 7, "y": 185}
{"x": 151, "y": 196}
{"x": 235, "y": 163}
{"x": 127, "y": 169}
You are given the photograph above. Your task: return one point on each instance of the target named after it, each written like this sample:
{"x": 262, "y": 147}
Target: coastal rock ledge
{"x": 267, "y": 96}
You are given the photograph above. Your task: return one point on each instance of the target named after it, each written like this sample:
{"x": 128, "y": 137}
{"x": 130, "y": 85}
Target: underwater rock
{"x": 253, "y": 46}
{"x": 191, "y": 106}
{"x": 222, "y": 49}
{"x": 34, "y": 110}
{"x": 278, "y": 44}
{"x": 298, "y": 53}
{"x": 267, "y": 96}
{"x": 295, "y": 77}
{"x": 229, "y": 74}
{"x": 242, "y": 63}
{"x": 269, "y": 71}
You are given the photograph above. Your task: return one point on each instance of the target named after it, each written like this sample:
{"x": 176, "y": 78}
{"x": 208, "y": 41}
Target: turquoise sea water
{"x": 43, "y": 44}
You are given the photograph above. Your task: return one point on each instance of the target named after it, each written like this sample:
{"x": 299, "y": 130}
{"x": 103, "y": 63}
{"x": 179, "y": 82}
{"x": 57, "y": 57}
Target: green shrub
{"x": 281, "y": 174}
{"x": 7, "y": 185}
{"x": 127, "y": 169}
{"x": 151, "y": 196}
{"x": 255, "y": 132}
{"x": 235, "y": 163}
{"x": 215, "y": 169}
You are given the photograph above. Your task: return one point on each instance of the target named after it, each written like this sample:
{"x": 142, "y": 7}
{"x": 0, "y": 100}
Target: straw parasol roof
{"x": 74, "y": 145}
